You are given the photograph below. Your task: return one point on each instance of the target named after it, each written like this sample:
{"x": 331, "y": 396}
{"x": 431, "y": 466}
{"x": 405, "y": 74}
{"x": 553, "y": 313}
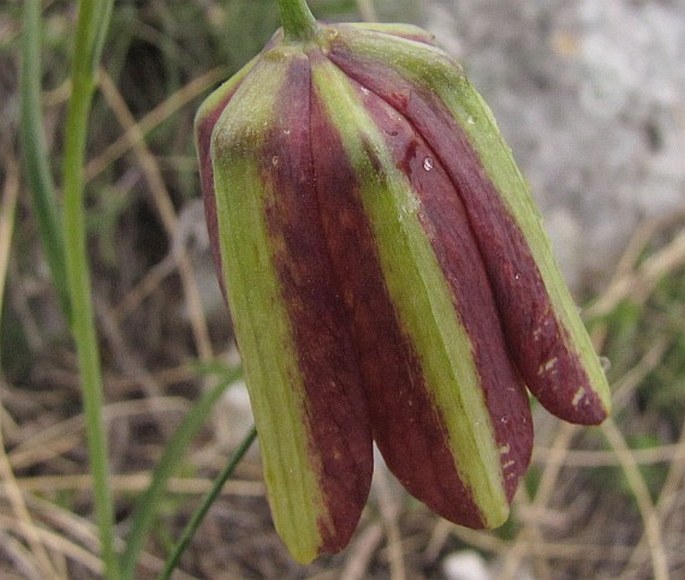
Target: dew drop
{"x": 286, "y": 131}
{"x": 428, "y": 163}
{"x": 504, "y": 419}
{"x": 470, "y": 120}
{"x": 366, "y": 91}
{"x": 517, "y": 276}
{"x": 275, "y": 160}
{"x": 605, "y": 363}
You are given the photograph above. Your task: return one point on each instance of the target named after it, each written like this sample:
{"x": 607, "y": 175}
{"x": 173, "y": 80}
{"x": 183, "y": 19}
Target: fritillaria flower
{"x": 388, "y": 278}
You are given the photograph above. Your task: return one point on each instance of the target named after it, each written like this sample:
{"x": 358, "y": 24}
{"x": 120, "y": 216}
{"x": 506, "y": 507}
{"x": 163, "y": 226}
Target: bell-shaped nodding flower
{"x": 388, "y": 277}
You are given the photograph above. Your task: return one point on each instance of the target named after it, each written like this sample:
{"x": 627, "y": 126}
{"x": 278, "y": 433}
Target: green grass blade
{"x": 91, "y": 27}
{"x": 35, "y": 154}
{"x": 199, "y": 515}
{"x": 148, "y": 503}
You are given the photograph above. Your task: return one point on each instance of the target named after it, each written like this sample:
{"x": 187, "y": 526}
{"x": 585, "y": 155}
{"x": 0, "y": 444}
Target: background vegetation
{"x": 606, "y": 501}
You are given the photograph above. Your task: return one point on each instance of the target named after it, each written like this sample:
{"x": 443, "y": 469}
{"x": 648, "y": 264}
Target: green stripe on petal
{"x": 420, "y": 294}
{"x": 408, "y": 31}
{"x": 218, "y": 97}
{"x": 261, "y": 323}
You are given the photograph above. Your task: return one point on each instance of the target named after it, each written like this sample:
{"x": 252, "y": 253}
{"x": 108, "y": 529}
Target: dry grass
{"x": 606, "y": 502}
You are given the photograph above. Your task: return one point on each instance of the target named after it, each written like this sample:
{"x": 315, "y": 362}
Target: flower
{"x": 388, "y": 278}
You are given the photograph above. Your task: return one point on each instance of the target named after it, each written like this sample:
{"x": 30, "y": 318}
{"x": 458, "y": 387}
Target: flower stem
{"x": 297, "y": 19}
{"x": 91, "y": 27}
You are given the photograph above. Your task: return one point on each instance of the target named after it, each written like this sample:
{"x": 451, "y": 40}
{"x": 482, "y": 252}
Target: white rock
{"x": 465, "y": 565}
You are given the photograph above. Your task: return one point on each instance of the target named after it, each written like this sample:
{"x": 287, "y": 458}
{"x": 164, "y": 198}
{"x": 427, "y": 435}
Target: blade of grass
{"x": 8, "y": 205}
{"x": 91, "y": 28}
{"x": 651, "y": 521}
{"x": 35, "y": 154}
{"x": 207, "y": 502}
{"x": 148, "y": 503}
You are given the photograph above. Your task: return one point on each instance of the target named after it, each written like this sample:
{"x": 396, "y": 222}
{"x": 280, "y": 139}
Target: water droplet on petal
{"x": 504, "y": 419}
{"x": 605, "y": 363}
{"x": 366, "y": 91}
{"x": 428, "y": 163}
{"x": 286, "y": 131}
{"x": 470, "y": 120}
{"x": 275, "y": 160}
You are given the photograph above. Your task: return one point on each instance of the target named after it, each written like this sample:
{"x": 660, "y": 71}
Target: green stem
{"x": 35, "y": 157}
{"x": 147, "y": 505}
{"x": 297, "y": 19}
{"x": 199, "y": 515}
{"x": 91, "y": 27}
